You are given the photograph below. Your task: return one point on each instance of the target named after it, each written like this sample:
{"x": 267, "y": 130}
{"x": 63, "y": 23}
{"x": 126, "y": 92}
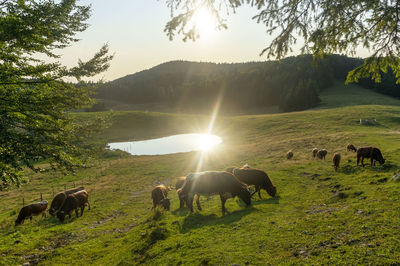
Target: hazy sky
{"x": 134, "y": 31}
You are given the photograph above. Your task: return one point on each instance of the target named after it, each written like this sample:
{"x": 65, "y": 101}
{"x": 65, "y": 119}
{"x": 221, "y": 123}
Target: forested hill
{"x": 291, "y": 84}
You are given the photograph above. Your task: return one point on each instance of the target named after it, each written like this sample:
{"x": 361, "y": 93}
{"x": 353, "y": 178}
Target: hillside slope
{"x": 340, "y": 95}
{"x": 319, "y": 216}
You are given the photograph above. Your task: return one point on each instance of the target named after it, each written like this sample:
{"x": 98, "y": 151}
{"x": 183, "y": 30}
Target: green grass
{"x": 340, "y": 95}
{"x": 318, "y": 217}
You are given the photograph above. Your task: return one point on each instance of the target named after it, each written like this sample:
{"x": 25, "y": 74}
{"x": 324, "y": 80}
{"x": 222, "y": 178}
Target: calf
{"x": 72, "y": 203}
{"x": 59, "y": 199}
{"x": 350, "y": 147}
{"x": 314, "y": 152}
{"x": 336, "y": 161}
{"x": 214, "y": 182}
{"x": 258, "y": 178}
{"x": 159, "y": 195}
{"x": 289, "y": 155}
{"x": 30, "y": 210}
{"x": 370, "y": 152}
{"x": 321, "y": 154}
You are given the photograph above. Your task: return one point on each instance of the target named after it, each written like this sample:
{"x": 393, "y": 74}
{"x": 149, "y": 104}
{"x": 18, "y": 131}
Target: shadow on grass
{"x": 198, "y": 220}
{"x": 274, "y": 200}
{"x": 353, "y": 169}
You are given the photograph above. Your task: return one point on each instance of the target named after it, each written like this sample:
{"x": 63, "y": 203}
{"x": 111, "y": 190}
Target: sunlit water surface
{"x": 167, "y": 145}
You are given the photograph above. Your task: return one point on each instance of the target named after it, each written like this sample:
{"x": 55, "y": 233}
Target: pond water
{"x": 168, "y": 145}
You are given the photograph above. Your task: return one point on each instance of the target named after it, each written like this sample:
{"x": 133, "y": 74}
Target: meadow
{"x": 319, "y": 216}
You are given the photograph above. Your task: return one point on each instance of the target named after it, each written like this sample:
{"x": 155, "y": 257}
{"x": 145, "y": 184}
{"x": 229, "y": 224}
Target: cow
{"x": 321, "y": 154}
{"x": 72, "y": 203}
{"x": 336, "y": 161}
{"x": 59, "y": 199}
{"x": 370, "y": 152}
{"x": 214, "y": 182}
{"x": 159, "y": 195}
{"x": 351, "y": 147}
{"x": 30, "y": 210}
{"x": 314, "y": 152}
{"x": 182, "y": 199}
{"x": 256, "y": 177}
{"x": 289, "y": 155}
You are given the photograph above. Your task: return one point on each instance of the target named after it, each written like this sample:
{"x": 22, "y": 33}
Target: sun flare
{"x": 205, "y": 23}
{"x": 207, "y": 141}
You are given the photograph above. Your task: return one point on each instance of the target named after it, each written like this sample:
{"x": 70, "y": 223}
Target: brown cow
{"x": 182, "y": 199}
{"x": 321, "y": 154}
{"x": 30, "y": 210}
{"x": 336, "y": 161}
{"x": 214, "y": 182}
{"x": 59, "y": 199}
{"x": 351, "y": 147}
{"x": 258, "y": 178}
{"x": 314, "y": 152}
{"x": 72, "y": 203}
{"x": 289, "y": 155}
{"x": 159, "y": 195}
{"x": 370, "y": 152}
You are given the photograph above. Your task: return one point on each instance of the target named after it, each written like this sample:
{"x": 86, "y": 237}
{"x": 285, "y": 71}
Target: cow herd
{"x": 237, "y": 181}
{"x": 64, "y": 203}
{"x": 227, "y": 184}
{"x": 365, "y": 152}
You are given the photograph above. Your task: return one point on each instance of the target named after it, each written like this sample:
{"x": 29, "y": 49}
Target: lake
{"x": 168, "y": 145}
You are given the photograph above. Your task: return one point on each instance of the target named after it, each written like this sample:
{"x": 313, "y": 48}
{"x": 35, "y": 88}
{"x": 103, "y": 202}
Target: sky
{"x": 134, "y": 31}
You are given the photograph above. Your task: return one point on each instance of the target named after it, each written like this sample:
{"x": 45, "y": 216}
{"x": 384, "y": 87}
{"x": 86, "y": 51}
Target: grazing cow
{"x": 289, "y": 155}
{"x": 370, "y": 152}
{"x": 350, "y": 147}
{"x": 159, "y": 195}
{"x": 336, "y": 161}
{"x": 255, "y": 177}
{"x": 72, "y": 203}
{"x": 214, "y": 182}
{"x": 321, "y": 154}
{"x": 182, "y": 198}
{"x": 30, "y": 210}
{"x": 59, "y": 199}
{"x": 314, "y": 152}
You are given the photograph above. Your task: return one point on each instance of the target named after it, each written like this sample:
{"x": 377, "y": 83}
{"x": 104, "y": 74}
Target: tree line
{"x": 292, "y": 84}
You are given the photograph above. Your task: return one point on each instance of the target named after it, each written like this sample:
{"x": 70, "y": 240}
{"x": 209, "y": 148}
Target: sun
{"x": 207, "y": 141}
{"x": 205, "y": 23}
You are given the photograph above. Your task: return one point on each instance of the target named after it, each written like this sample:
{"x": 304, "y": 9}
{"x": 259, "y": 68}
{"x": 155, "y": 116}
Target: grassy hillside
{"x": 349, "y": 95}
{"x": 319, "y": 216}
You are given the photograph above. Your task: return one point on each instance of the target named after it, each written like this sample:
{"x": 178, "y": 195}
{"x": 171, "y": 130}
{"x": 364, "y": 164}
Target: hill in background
{"x": 295, "y": 83}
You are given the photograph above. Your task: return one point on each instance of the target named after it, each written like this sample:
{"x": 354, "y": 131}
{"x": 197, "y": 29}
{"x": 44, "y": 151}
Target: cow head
{"x": 165, "y": 203}
{"x": 245, "y": 195}
{"x": 382, "y": 160}
{"x": 61, "y": 215}
{"x": 18, "y": 222}
{"x": 271, "y": 191}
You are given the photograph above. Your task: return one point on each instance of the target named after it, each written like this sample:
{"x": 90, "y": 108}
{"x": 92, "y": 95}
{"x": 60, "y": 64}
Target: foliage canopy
{"x": 34, "y": 97}
{"x": 324, "y": 26}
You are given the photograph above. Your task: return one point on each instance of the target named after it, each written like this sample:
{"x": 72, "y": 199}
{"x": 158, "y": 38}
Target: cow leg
{"x": 198, "y": 202}
{"x": 189, "y": 201}
{"x": 181, "y": 203}
{"x": 30, "y": 218}
{"x": 259, "y": 191}
{"x": 362, "y": 161}
{"x": 154, "y": 204}
{"x": 82, "y": 208}
{"x": 358, "y": 159}
{"x": 88, "y": 205}
{"x": 223, "y": 200}
{"x": 76, "y": 212}
{"x": 372, "y": 162}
